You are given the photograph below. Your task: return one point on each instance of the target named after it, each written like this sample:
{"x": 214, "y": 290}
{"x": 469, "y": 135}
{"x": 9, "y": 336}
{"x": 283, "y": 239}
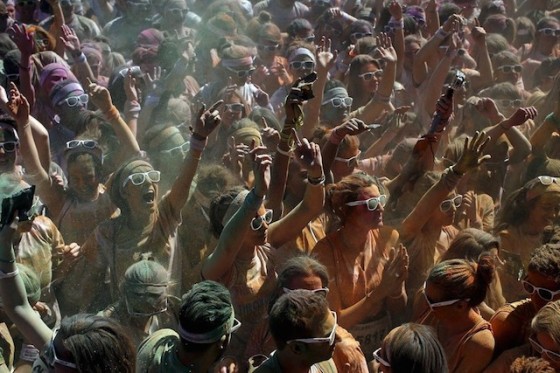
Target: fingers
{"x": 296, "y": 137}
{"x": 264, "y": 123}
{"x": 215, "y": 106}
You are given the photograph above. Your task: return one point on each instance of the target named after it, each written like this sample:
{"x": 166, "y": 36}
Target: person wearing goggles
{"x": 336, "y": 105}
{"x": 309, "y": 347}
{"x": 453, "y": 290}
{"x": 507, "y": 68}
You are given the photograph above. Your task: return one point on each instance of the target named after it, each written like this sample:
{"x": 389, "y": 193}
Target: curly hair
{"x": 463, "y": 279}
{"x": 546, "y": 261}
{"x": 547, "y": 321}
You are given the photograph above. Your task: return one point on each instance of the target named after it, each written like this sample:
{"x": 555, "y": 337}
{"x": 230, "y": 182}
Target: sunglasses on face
{"x": 138, "y": 7}
{"x": 548, "y": 180}
{"x": 371, "y": 203}
{"x": 176, "y": 11}
{"x": 330, "y": 339}
{"x": 299, "y": 65}
{"x": 235, "y": 108}
{"x": 76, "y": 100}
{"x": 361, "y": 35}
{"x": 544, "y": 294}
{"x": 510, "y": 103}
{"x": 140, "y": 178}
{"x": 12, "y": 77}
{"x": 57, "y": 360}
{"x": 350, "y": 162}
{"x": 310, "y": 39}
{"x": 183, "y": 148}
{"x": 268, "y": 48}
{"x": 9, "y": 146}
{"x": 444, "y": 303}
{"x": 257, "y": 221}
{"x": 371, "y": 75}
{"x": 338, "y": 102}
{"x": 379, "y": 359}
{"x": 446, "y": 205}
{"x": 134, "y": 70}
{"x": 242, "y": 73}
{"x": 510, "y": 68}
{"x": 550, "y": 32}
{"x": 89, "y": 144}
{"x": 551, "y": 355}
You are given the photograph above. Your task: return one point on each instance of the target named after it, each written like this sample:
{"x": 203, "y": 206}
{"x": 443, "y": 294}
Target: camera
{"x": 303, "y": 89}
{"x": 21, "y": 202}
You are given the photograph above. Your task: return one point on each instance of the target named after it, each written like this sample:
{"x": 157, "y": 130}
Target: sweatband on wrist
{"x": 4, "y": 275}
{"x": 112, "y": 114}
{"x": 451, "y": 178}
{"x": 397, "y": 24}
{"x": 79, "y": 59}
{"x": 441, "y": 34}
{"x": 198, "y": 144}
{"x": 335, "y": 138}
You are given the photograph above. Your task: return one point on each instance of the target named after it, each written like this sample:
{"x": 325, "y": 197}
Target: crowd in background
{"x": 280, "y": 186}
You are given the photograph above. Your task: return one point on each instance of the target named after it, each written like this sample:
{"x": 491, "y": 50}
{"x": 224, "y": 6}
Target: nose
{"x": 380, "y": 208}
{"x": 2, "y": 150}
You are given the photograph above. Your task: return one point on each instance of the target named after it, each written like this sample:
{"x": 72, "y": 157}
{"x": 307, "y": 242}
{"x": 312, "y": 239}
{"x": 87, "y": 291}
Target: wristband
{"x": 451, "y": 178}
{"x": 441, "y": 34}
{"x": 4, "y": 275}
{"x": 554, "y": 119}
{"x": 335, "y": 138}
{"x": 397, "y": 24}
{"x": 317, "y": 180}
{"x": 79, "y": 59}
{"x": 197, "y": 143}
{"x": 283, "y": 152}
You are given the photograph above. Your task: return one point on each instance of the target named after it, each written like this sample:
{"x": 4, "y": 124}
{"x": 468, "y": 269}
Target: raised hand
{"x": 207, "y": 120}
{"x": 478, "y": 33}
{"x": 473, "y": 151}
{"x": 261, "y": 97}
{"x": 326, "y": 58}
{"x": 18, "y": 106}
{"x": 470, "y": 203}
{"x": 152, "y": 80}
{"x": 269, "y": 135}
{"x": 487, "y": 107}
{"x": 70, "y": 40}
{"x": 520, "y": 116}
{"x": 130, "y": 86}
{"x": 453, "y": 23}
{"x": 352, "y": 127}
{"x": 23, "y": 39}
{"x": 308, "y": 155}
{"x": 395, "y": 271}
{"x": 261, "y": 168}
{"x": 100, "y": 97}
{"x": 396, "y": 10}
{"x": 385, "y": 48}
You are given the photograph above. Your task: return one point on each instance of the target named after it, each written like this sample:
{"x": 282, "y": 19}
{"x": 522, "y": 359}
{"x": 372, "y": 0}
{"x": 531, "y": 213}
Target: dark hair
{"x": 414, "y": 348}
{"x": 298, "y": 25}
{"x": 97, "y": 344}
{"x": 219, "y": 207}
{"x": 300, "y": 266}
{"x": 545, "y": 260}
{"x": 297, "y": 314}
{"x": 258, "y": 113}
{"x": 470, "y": 244}
{"x": 463, "y": 279}
{"x": 204, "y": 308}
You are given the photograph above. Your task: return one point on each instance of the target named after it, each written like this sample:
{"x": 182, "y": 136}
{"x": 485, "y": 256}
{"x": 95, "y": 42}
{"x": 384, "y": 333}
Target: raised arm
{"x": 26, "y": 46}
{"x": 550, "y": 125}
{"x": 287, "y": 228}
{"x": 206, "y": 122}
{"x": 235, "y": 230}
{"x": 71, "y": 43}
{"x": 58, "y": 22}
{"x": 397, "y": 24}
{"x": 14, "y": 297}
{"x": 101, "y": 98}
{"x": 470, "y": 159}
{"x": 482, "y": 58}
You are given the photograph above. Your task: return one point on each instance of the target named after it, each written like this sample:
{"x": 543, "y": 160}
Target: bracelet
{"x": 451, "y": 178}
{"x": 253, "y": 201}
{"x": 316, "y": 181}
{"x": 441, "y": 34}
{"x": 4, "y": 275}
{"x": 554, "y": 119}
{"x": 198, "y": 143}
{"x": 397, "y": 24}
{"x": 335, "y": 138}
{"x": 112, "y": 114}
{"x": 11, "y": 261}
{"x": 283, "y": 152}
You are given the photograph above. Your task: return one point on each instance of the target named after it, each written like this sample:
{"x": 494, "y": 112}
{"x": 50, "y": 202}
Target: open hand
{"x": 473, "y": 151}
{"x": 18, "y": 106}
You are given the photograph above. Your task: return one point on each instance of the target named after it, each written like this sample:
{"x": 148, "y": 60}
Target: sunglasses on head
{"x": 371, "y": 203}
{"x": 9, "y": 146}
{"x": 140, "y": 178}
{"x": 338, "y": 102}
{"x": 379, "y": 359}
{"x": 350, "y": 162}
{"x": 257, "y": 221}
{"x": 544, "y": 294}
{"x": 299, "y": 65}
{"x": 446, "y": 205}
{"x": 89, "y": 144}
{"x": 12, "y": 77}
{"x": 330, "y": 339}
{"x": 550, "y": 31}
{"x": 510, "y": 103}
{"x": 371, "y": 75}
{"x": 322, "y": 291}
{"x": 444, "y": 303}
{"x": 242, "y": 73}
{"x": 76, "y": 100}
{"x": 361, "y": 35}
{"x": 236, "y": 108}
{"x": 310, "y": 39}
{"x": 551, "y": 355}
{"x": 510, "y": 68}
{"x": 268, "y": 48}
{"x": 134, "y": 70}
{"x": 183, "y": 148}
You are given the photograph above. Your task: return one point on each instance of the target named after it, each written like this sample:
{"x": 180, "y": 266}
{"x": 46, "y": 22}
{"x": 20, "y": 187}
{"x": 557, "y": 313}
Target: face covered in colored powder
{"x": 9, "y": 145}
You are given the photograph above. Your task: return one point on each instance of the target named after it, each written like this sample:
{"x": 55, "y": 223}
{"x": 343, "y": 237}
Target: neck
{"x": 354, "y": 237}
{"x": 247, "y": 251}
{"x": 196, "y": 362}
{"x": 530, "y": 229}
{"x": 138, "y": 221}
{"x": 289, "y": 364}
{"x": 458, "y": 325}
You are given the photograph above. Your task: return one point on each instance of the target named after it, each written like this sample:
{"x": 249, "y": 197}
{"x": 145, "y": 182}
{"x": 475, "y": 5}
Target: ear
{"x": 297, "y": 348}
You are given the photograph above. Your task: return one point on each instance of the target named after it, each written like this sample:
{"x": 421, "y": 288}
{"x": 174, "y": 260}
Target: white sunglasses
{"x": 330, "y": 339}
{"x": 139, "y": 178}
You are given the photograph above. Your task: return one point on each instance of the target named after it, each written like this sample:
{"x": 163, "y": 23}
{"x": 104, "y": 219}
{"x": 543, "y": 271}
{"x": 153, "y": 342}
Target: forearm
{"x": 328, "y": 153}
{"x": 484, "y": 67}
{"x": 25, "y": 85}
{"x": 278, "y": 176}
{"x": 41, "y": 141}
{"x": 30, "y": 154}
{"x": 83, "y": 70}
{"x": 367, "y": 307}
{"x": 313, "y": 112}
{"x": 520, "y": 144}
{"x": 58, "y": 21}
{"x": 433, "y": 89}
{"x": 432, "y": 22}
{"x": 128, "y": 144}
{"x": 543, "y": 133}
{"x": 179, "y": 192}
{"x": 379, "y": 145}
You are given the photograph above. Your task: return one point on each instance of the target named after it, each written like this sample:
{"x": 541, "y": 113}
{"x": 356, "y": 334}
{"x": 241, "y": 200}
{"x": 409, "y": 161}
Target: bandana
{"x": 65, "y": 92}
{"x": 301, "y": 52}
{"x": 246, "y": 135}
{"x": 149, "y": 38}
{"x": 335, "y": 92}
{"x": 115, "y": 183}
{"x": 55, "y": 70}
{"x": 237, "y": 63}
{"x": 210, "y": 336}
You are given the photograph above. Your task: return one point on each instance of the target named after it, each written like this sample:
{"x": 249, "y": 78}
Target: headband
{"x": 234, "y": 206}
{"x": 237, "y": 62}
{"x": 64, "y": 91}
{"x": 210, "y": 336}
{"x": 247, "y": 133}
{"x": 301, "y": 52}
{"x": 335, "y": 92}
{"x": 540, "y": 189}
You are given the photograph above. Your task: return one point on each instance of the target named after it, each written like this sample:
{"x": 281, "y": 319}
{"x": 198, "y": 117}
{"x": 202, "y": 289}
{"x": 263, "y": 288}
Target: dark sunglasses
{"x": 235, "y": 108}
{"x": 242, "y": 73}
{"x": 510, "y": 68}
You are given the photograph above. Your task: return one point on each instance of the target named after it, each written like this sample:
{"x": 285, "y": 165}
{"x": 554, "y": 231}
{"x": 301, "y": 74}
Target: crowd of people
{"x": 280, "y": 186}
